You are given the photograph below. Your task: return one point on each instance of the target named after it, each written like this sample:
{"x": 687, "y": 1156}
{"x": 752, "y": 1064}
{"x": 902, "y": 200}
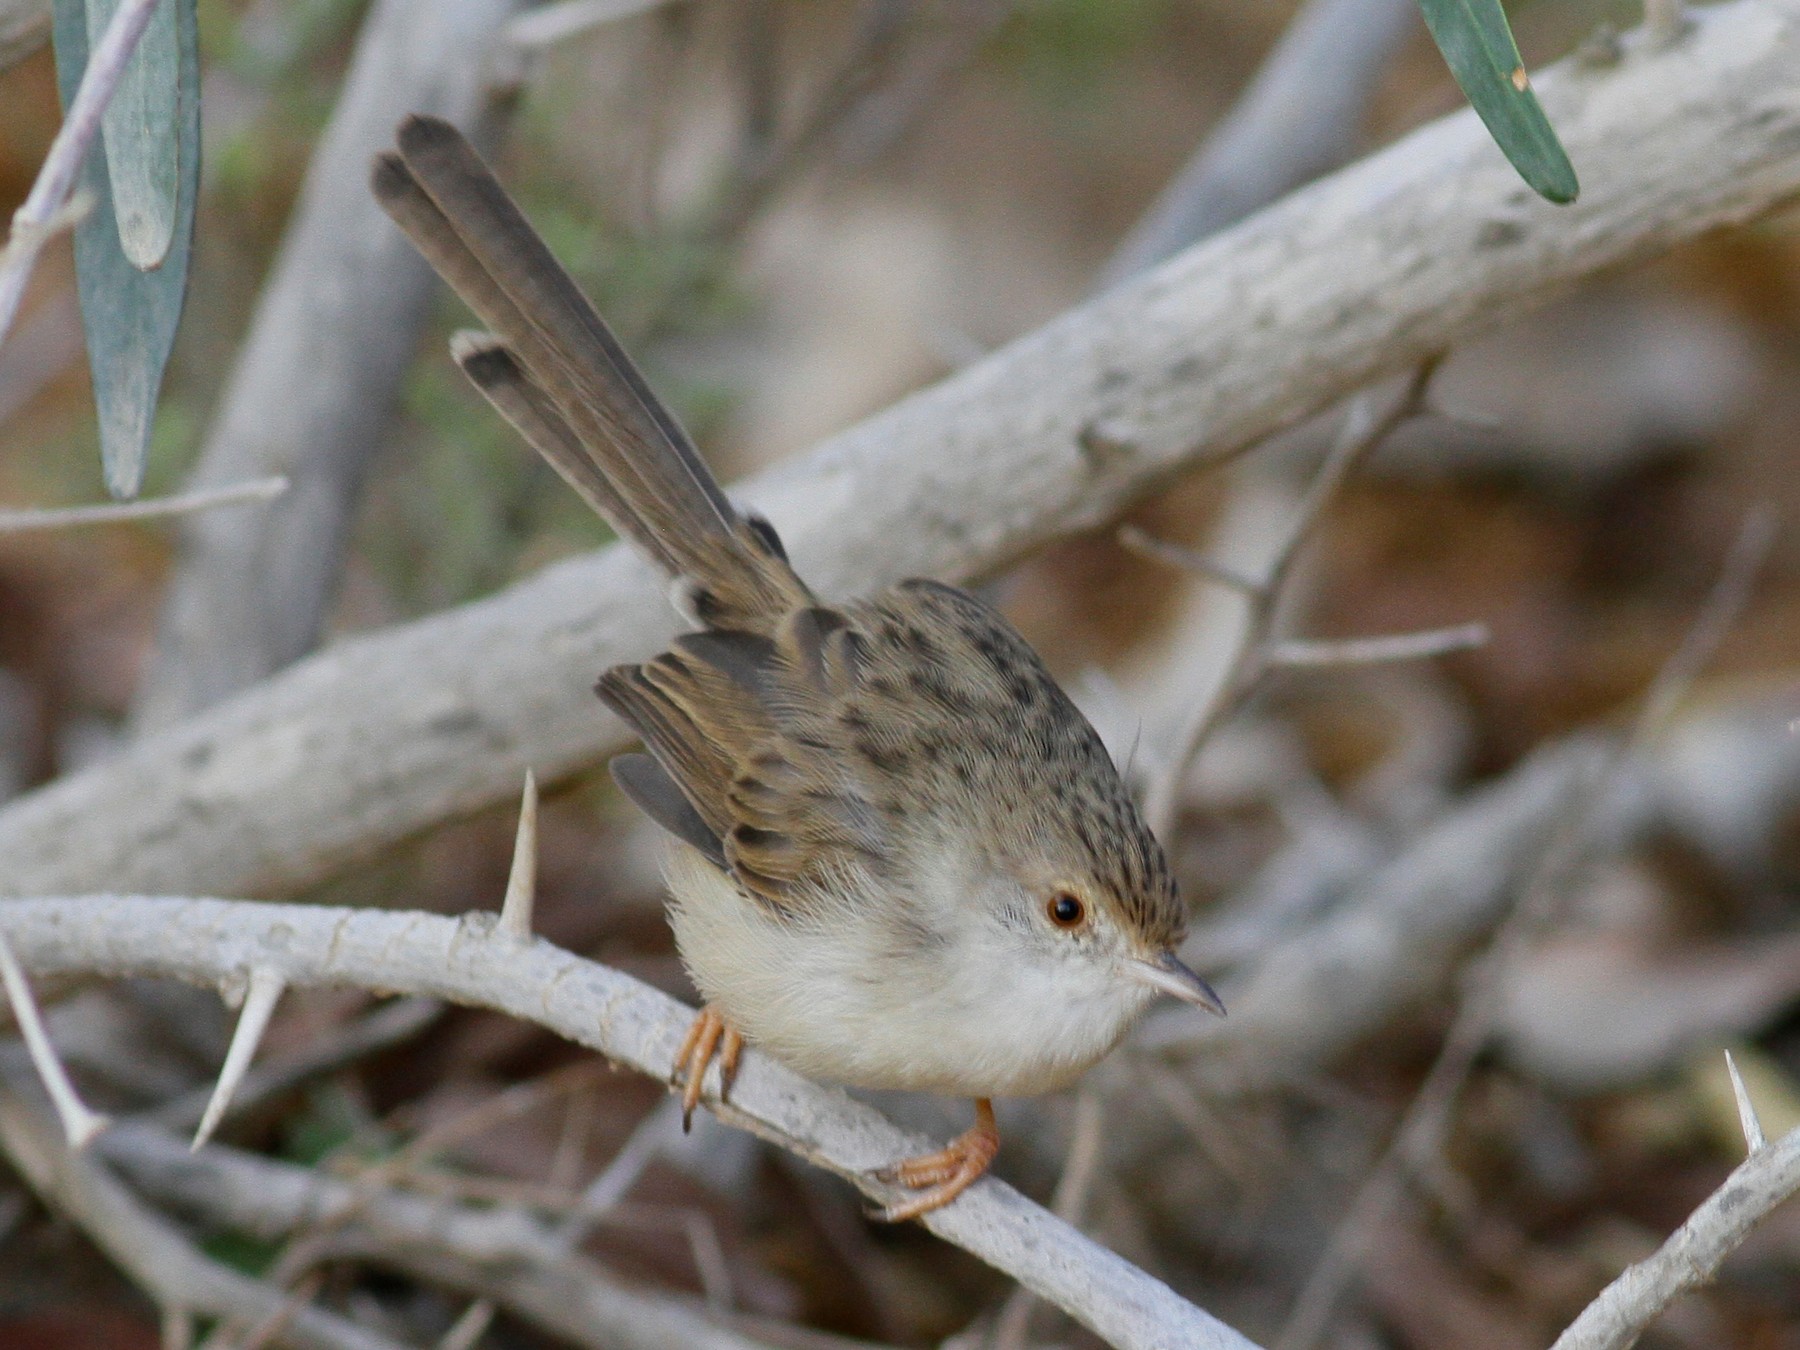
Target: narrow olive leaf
{"x": 130, "y": 315}
{"x": 1481, "y": 54}
{"x": 141, "y": 134}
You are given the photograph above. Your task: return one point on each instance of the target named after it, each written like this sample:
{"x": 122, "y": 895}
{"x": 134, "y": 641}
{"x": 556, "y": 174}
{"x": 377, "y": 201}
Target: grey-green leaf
{"x": 1481, "y": 53}
{"x": 130, "y": 315}
{"x": 141, "y": 134}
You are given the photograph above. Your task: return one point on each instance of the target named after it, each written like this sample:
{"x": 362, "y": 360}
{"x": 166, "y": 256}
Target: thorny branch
{"x": 209, "y": 940}
{"x": 468, "y": 961}
{"x": 1289, "y": 652}
{"x": 1626, "y": 1307}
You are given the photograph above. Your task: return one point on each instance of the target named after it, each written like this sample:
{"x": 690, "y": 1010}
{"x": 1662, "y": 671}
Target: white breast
{"x": 835, "y": 995}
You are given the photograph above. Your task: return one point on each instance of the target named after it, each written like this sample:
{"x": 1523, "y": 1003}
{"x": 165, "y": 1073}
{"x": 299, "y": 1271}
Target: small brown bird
{"x": 901, "y": 858}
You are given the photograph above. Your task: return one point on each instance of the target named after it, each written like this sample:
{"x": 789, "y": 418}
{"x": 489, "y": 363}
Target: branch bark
{"x": 468, "y": 961}
{"x": 1357, "y": 276}
{"x": 1692, "y": 1255}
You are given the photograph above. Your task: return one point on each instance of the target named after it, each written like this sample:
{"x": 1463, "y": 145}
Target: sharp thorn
{"x": 1754, "y": 1138}
{"x": 264, "y": 992}
{"x": 521, "y": 882}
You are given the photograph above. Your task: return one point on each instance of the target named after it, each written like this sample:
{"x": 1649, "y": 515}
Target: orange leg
{"x": 710, "y": 1036}
{"x": 946, "y": 1174}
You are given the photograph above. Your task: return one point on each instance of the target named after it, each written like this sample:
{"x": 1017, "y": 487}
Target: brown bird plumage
{"x": 904, "y": 858}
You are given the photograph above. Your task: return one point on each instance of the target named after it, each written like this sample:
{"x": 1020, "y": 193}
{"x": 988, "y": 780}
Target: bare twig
{"x": 1692, "y": 1255}
{"x": 956, "y": 38}
{"x": 1370, "y": 651}
{"x": 156, "y": 1256}
{"x": 1147, "y": 545}
{"x": 79, "y": 1124}
{"x": 1363, "y": 430}
{"x": 765, "y": 159}
{"x": 1379, "y": 266}
{"x": 1421, "y": 1131}
{"x": 107, "y": 513}
{"x": 629, "y": 1022}
{"x": 468, "y": 1329}
{"x": 34, "y": 223}
{"x": 322, "y": 1238}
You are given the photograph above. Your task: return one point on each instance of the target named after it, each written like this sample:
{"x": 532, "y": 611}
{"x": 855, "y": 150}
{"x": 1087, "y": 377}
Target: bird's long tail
{"x": 553, "y": 369}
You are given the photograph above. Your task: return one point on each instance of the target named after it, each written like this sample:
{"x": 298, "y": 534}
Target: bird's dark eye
{"x": 1065, "y": 910}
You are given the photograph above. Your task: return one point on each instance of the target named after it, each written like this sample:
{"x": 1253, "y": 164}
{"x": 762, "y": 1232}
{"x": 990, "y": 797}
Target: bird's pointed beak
{"x": 1165, "y": 973}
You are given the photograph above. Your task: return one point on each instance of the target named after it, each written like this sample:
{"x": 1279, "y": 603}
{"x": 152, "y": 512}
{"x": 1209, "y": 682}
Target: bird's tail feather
{"x": 556, "y": 372}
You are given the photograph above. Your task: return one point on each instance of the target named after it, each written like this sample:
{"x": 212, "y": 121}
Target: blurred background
{"x": 969, "y": 168}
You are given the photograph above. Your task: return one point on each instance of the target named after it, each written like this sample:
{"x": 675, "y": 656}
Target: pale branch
{"x": 572, "y": 1304}
{"x": 1147, "y": 545}
{"x": 316, "y": 376}
{"x": 20, "y": 520}
{"x": 1317, "y": 653}
{"x": 34, "y": 222}
{"x": 156, "y": 1255}
{"x": 468, "y": 961}
{"x": 1357, "y": 276}
{"x": 1692, "y": 1255}
{"x": 495, "y": 1250}
{"x": 466, "y": 1332}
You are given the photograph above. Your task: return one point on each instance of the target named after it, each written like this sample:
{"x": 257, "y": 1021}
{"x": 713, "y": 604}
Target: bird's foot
{"x": 946, "y": 1174}
{"x": 711, "y": 1036}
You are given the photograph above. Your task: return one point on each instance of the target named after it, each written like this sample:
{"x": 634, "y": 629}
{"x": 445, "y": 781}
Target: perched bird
{"x": 900, "y": 857}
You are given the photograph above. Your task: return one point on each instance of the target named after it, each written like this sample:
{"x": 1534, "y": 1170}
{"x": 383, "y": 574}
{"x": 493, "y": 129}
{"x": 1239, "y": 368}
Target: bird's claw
{"x": 710, "y": 1036}
{"x": 941, "y": 1176}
